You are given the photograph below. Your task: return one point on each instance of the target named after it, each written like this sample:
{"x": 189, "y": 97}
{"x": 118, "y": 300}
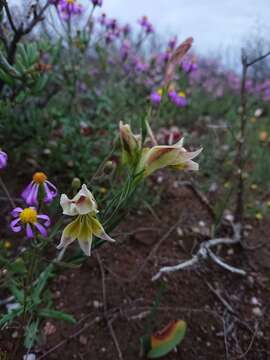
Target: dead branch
{"x": 205, "y": 253}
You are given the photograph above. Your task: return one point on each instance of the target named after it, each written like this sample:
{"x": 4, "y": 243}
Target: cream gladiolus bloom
{"x": 174, "y": 156}
{"x": 86, "y": 225}
{"x": 148, "y": 160}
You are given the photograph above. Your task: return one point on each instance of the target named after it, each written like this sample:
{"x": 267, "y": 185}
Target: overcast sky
{"x": 214, "y": 24}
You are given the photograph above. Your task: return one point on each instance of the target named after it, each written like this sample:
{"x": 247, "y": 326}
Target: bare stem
{"x": 5, "y": 189}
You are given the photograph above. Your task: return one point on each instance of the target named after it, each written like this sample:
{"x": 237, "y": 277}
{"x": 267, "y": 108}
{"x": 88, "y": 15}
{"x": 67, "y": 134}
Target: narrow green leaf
{"x": 59, "y": 315}
{"x": 31, "y": 333}
{"x": 9, "y": 317}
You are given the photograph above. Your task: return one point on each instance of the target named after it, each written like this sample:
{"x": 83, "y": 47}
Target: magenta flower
{"x": 69, "y": 8}
{"x": 3, "y": 159}
{"x": 102, "y": 19}
{"x": 189, "y": 67}
{"x": 146, "y": 25}
{"x": 124, "y": 50}
{"x": 179, "y": 99}
{"x": 97, "y": 2}
{"x": 156, "y": 97}
{"x": 172, "y": 43}
{"x": 30, "y": 193}
{"x": 126, "y": 30}
{"x": 26, "y": 219}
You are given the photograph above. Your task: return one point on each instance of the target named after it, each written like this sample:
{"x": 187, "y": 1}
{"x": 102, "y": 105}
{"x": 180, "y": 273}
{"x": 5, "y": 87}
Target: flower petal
{"x": 41, "y": 229}
{"x": 68, "y": 207}
{"x": 99, "y": 231}
{"x": 70, "y": 233}
{"x": 85, "y": 235}
{"x": 14, "y": 227}
{"x": 47, "y": 220}
{"x": 49, "y": 194}
{"x": 16, "y": 211}
{"x": 188, "y": 166}
{"x": 29, "y": 231}
{"x": 30, "y": 194}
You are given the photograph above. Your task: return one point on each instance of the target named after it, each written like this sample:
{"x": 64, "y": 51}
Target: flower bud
{"x": 109, "y": 167}
{"x": 76, "y": 183}
{"x": 130, "y": 142}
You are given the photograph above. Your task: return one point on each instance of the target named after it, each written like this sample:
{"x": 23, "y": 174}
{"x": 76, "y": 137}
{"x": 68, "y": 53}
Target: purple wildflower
{"x": 102, "y": 19}
{"x": 179, "y": 99}
{"x": 97, "y": 3}
{"x": 30, "y": 193}
{"x": 189, "y": 66}
{"x": 69, "y": 8}
{"x": 156, "y": 97}
{"x": 146, "y": 25}
{"x": 3, "y": 159}
{"x": 124, "y": 50}
{"x": 172, "y": 43}
{"x": 27, "y": 218}
{"x": 126, "y": 30}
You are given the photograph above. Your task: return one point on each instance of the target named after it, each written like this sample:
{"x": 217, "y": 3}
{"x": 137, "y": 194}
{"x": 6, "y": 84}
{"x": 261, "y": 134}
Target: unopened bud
{"x": 109, "y": 167}
{"x": 76, "y": 183}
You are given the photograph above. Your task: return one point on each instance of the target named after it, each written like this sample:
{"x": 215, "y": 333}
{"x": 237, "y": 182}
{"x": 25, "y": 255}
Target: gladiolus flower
{"x": 27, "y": 218}
{"x": 148, "y": 160}
{"x": 30, "y": 194}
{"x": 3, "y": 159}
{"x": 86, "y": 224}
{"x": 173, "y": 156}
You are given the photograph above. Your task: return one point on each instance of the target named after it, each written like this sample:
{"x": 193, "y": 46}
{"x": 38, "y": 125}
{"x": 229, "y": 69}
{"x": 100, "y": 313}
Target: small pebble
{"x": 97, "y": 304}
{"x": 12, "y": 306}
{"x": 15, "y": 334}
{"x": 257, "y": 311}
{"x": 30, "y": 356}
{"x": 180, "y": 232}
{"x": 83, "y": 340}
{"x": 250, "y": 281}
{"x": 254, "y": 301}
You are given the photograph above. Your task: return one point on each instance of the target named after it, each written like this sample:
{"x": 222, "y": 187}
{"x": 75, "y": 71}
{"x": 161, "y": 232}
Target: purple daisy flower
{"x": 3, "y": 159}
{"x": 27, "y": 219}
{"x": 156, "y": 96}
{"x": 179, "y": 99}
{"x": 30, "y": 193}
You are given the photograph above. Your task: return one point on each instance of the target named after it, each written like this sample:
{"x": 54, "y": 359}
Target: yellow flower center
{"x": 39, "y": 177}
{"x": 28, "y": 215}
{"x": 182, "y": 93}
{"x": 160, "y": 92}
{"x": 70, "y": 1}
